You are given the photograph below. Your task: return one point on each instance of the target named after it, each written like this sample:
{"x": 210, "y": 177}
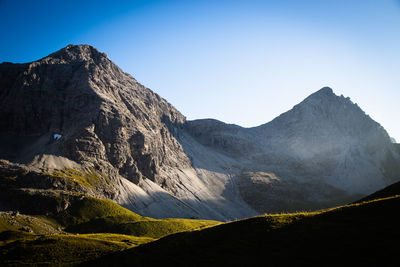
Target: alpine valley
{"x": 93, "y": 163}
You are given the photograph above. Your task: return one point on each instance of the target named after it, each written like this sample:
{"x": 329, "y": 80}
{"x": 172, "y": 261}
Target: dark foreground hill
{"x": 364, "y": 234}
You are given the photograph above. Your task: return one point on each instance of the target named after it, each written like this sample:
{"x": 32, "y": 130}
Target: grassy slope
{"x": 108, "y": 227}
{"x": 88, "y": 177}
{"x": 51, "y": 235}
{"x": 361, "y": 234}
{"x": 91, "y": 215}
{"x": 34, "y": 224}
{"x": 24, "y": 248}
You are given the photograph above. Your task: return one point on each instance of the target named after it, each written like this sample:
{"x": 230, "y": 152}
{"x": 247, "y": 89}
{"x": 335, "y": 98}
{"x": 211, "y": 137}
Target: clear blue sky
{"x": 242, "y": 62}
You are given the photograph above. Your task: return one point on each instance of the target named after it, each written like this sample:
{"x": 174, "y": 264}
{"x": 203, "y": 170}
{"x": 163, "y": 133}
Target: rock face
{"x": 98, "y": 113}
{"x": 76, "y": 109}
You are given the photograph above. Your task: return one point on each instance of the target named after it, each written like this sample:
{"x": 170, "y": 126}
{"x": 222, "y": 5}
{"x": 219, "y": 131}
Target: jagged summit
{"x": 324, "y": 106}
{"x": 326, "y": 117}
{"x": 82, "y": 52}
{"x": 325, "y": 90}
{"x": 321, "y": 96}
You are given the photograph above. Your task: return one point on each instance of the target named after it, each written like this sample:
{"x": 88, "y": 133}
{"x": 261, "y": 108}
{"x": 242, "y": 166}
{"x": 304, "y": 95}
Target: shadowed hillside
{"x": 360, "y": 234}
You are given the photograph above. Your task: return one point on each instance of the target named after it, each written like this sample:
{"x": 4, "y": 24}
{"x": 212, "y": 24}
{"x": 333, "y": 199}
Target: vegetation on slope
{"x": 108, "y": 227}
{"x": 12, "y": 221}
{"x": 363, "y": 234}
{"x": 91, "y": 215}
{"x": 88, "y": 177}
{"x": 60, "y": 223}
{"x": 24, "y": 248}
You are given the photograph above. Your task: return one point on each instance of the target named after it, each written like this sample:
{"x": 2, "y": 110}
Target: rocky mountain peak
{"x": 323, "y": 97}
{"x": 324, "y": 124}
{"x": 327, "y": 107}
{"x": 323, "y": 92}
{"x": 100, "y": 114}
{"x": 78, "y": 53}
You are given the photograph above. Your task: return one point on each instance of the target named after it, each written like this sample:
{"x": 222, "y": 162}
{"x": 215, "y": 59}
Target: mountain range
{"x": 75, "y": 111}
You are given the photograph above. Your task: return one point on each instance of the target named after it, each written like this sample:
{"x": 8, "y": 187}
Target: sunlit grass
{"x": 91, "y": 215}
{"x": 88, "y": 177}
{"x": 93, "y": 227}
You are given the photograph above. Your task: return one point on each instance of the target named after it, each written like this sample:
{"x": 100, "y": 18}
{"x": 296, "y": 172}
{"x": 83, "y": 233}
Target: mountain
{"x": 323, "y": 152}
{"x": 75, "y": 109}
{"x": 75, "y": 116}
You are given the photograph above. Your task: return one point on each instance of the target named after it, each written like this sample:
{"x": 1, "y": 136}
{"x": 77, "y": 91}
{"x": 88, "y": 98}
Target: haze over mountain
{"x": 76, "y": 109}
